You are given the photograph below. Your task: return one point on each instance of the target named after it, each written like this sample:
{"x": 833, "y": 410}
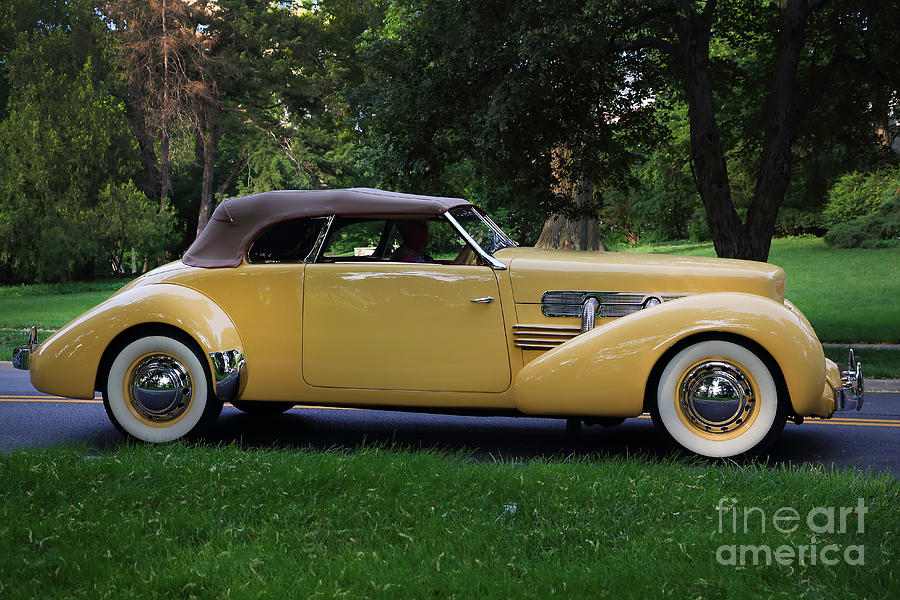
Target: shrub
{"x": 877, "y": 230}
{"x": 856, "y": 194}
{"x": 799, "y": 221}
{"x": 698, "y": 227}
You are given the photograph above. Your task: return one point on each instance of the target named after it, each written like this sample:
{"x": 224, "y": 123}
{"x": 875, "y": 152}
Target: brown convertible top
{"x": 237, "y": 221}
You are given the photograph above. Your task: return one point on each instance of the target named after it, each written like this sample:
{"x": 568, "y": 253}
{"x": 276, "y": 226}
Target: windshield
{"x": 483, "y": 230}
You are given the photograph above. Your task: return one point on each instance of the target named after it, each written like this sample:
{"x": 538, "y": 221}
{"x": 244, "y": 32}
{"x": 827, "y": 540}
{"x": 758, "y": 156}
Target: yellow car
{"x": 369, "y": 298}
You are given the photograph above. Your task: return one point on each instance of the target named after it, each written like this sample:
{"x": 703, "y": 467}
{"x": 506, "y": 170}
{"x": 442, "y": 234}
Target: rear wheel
{"x": 719, "y": 399}
{"x": 157, "y": 390}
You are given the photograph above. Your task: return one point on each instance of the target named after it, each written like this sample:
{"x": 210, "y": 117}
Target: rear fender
{"x": 67, "y": 363}
{"x": 605, "y": 372}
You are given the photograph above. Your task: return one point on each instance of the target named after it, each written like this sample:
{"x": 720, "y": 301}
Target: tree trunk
{"x": 707, "y": 156}
{"x": 207, "y": 201}
{"x": 731, "y": 237}
{"x": 562, "y": 232}
{"x": 165, "y": 177}
{"x": 781, "y": 128}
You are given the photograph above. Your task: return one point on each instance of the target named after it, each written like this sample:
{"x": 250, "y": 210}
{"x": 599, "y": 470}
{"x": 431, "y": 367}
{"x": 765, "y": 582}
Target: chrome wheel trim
{"x": 160, "y": 388}
{"x": 716, "y": 397}
{"x": 764, "y": 417}
{"x": 116, "y": 396}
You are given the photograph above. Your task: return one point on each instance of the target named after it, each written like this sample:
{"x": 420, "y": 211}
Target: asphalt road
{"x": 868, "y": 439}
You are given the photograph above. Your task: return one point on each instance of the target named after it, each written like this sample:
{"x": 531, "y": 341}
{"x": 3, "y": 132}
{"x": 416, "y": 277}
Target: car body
{"x": 299, "y": 297}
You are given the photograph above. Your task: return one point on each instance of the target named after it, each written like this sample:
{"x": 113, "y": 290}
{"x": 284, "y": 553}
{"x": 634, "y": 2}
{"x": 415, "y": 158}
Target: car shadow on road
{"x": 501, "y": 439}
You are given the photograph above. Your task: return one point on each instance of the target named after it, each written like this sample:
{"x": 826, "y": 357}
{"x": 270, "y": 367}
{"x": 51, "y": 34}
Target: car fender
{"x": 605, "y": 372}
{"x": 66, "y": 364}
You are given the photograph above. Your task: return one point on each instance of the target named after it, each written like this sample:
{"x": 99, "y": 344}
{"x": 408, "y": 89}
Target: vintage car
{"x": 369, "y": 298}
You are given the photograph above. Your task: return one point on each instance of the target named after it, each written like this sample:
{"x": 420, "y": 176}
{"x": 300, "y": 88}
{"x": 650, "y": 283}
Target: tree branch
{"x": 240, "y": 167}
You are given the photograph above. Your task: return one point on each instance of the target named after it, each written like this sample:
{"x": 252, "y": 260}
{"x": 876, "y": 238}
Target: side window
{"x": 354, "y": 237}
{"x": 427, "y": 240}
{"x": 287, "y": 242}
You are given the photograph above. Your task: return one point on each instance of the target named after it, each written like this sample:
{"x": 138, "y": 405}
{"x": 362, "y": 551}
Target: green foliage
{"x": 799, "y": 221}
{"x": 879, "y": 229}
{"x": 658, "y": 200}
{"x": 857, "y": 194}
{"x": 67, "y": 203}
{"x": 449, "y": 97}
{"x": 126, "y": 222}
{"x": 66, "y": 140}
{"x": 310, "y": 158}
{"x": 457, "y": 82}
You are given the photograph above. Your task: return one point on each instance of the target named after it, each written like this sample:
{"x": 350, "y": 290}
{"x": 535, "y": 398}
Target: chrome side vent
{"x": 542, "y": 337}
{"x": 612, "y": 304}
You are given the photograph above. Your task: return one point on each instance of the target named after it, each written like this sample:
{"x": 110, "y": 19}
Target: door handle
{"x": 485, "y": 300}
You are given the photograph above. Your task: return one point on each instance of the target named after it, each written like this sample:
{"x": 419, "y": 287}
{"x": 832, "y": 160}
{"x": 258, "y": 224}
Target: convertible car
{"x": 369, "y": 298}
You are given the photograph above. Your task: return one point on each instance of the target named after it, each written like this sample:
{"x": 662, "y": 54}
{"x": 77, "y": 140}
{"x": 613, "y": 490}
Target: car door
{"x": 377, "y": 324}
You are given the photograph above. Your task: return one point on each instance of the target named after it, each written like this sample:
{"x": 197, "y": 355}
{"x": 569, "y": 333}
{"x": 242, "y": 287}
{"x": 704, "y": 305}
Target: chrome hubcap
{"x": 716, "y": 397}
{"x": 160, "y": 388}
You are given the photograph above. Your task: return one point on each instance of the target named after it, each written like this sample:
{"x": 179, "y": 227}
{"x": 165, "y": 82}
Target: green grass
{"x": 877, "y": 363}
{"x": 849, "y": 295}
{"x": 50, "y": 306}
{"x": 177, "y": 521}
{"x": 10, "y": 338}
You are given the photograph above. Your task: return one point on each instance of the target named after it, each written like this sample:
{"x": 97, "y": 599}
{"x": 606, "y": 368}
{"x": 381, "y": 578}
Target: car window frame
{"x": 486, "y": 258}
{"x": 317, "y": 244}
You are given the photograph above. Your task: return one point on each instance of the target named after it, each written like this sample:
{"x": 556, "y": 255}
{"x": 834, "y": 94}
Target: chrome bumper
{"x": 229, "y": 374}
{"x": 21, "y": 356}
{"x": 850, "y": 395}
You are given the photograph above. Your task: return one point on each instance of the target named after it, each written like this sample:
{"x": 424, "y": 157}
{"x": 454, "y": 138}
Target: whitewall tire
{"x": 718, "y": 399}
{"x": 157, "y": 390}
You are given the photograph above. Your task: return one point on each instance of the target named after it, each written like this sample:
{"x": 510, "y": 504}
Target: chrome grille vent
{"x": 612, "y": 304}
{"x": 542, "y": 337}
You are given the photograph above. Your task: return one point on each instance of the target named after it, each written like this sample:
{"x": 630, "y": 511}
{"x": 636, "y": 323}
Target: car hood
{"x": 535, "y": 271}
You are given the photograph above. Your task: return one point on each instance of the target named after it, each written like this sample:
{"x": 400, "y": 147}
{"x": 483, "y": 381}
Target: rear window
{"x": 287, "y": 242}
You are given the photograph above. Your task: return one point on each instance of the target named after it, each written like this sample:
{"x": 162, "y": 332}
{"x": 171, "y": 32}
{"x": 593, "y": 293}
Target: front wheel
{"x": 719, "y": 399}
{"x": 157, "y": 390}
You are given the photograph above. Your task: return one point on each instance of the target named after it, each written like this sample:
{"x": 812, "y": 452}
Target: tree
{"x": 161, "y": 52}
{"x": 262, "y": 59}
{"x": 810, "y": 46}
{"x": 66, "y": 143}
{"x": 519, "y": 97}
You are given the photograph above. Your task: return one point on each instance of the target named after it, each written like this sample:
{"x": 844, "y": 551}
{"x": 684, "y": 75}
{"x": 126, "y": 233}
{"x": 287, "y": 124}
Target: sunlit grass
{"x": 849, "y": 295}
{"x": 50, "y": 306}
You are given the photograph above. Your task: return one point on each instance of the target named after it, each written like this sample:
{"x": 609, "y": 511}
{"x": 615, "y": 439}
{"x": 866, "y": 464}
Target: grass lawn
{"x": 849, "y": 295}
{"x": 49, "y": 306}
{"x": 177, "y": 521}
{"x": 877, "y": 363}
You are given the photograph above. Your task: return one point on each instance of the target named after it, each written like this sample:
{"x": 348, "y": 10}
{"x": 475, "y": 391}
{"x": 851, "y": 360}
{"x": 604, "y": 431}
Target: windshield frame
{"x": 501, "y": 239}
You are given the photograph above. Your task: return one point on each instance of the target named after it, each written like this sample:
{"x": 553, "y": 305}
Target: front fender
{"x": 605, "y": 371}
{"x": 66, "y": 364}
